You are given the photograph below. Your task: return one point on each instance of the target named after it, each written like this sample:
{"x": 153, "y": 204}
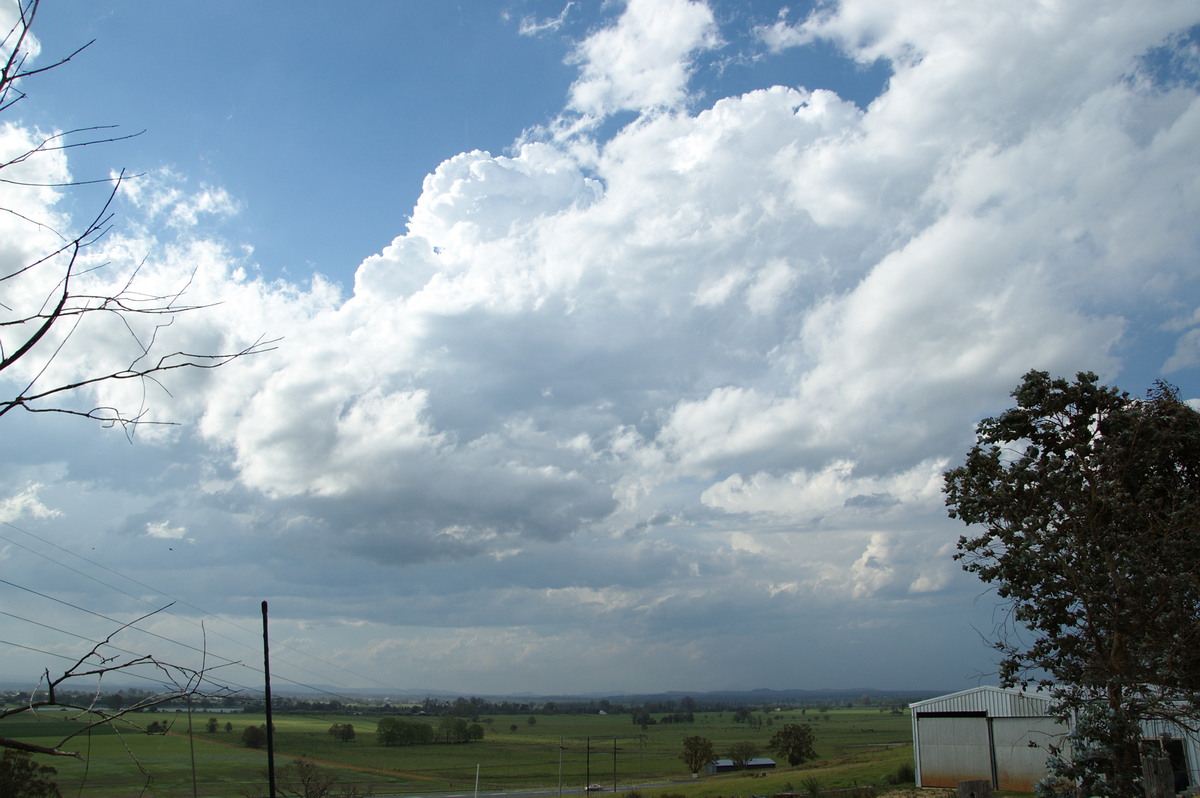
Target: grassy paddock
{"x": 851, "y": 746}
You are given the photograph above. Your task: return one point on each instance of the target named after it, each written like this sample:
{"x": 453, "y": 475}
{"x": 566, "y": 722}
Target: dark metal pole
{"x": 270, "y": 729}
{"x": 614, "y": 765}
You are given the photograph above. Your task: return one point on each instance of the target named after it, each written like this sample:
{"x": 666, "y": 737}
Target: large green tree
{"x": 1084, "y": 504}
{"x": 342, "y": 731}
{"x": 697, "y": 752}
{"x": 452, "y": 729}
{"x": 794, "y": 742}
{"x": 742, "y": 752}
{"x": 254, "y": 736}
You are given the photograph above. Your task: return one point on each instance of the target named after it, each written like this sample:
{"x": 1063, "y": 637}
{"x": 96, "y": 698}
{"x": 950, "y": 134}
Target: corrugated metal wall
{"x": 1018, "y": 766}
{"x": 985, "y": 733}
{"x": 993, "y": 744}
{"x": 951, "y": 750}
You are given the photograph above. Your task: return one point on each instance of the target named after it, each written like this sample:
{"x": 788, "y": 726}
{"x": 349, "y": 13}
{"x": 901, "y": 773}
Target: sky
{"x": 622, "y": 345}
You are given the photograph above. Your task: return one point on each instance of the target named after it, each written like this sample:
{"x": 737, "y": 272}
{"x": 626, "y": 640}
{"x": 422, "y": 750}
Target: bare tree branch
{"x": 112, "y": 415}
{"x": 35, "y": 334}
{"x": 102, "y": 661}
{"x": 44, "y": 300}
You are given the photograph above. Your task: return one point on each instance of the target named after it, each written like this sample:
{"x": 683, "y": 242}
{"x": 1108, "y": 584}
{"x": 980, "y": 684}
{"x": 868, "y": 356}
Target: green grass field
{"x": 854, "y": 746}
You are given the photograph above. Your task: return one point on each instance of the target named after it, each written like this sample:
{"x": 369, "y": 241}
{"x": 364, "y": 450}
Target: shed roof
{"x": 756, "y": 762}
{"x": 994, "y": 702}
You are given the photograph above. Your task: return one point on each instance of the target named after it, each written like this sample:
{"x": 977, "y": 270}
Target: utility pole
{"x": 614, "y": 766}
{"x": 615, "y": 749}
{"x": 267, "y": 695}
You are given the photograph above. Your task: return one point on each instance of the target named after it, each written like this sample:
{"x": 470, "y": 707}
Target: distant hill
{"x": 757, "y": 696}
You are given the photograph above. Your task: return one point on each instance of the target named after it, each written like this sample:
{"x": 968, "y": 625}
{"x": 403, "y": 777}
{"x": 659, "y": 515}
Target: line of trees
{"x": 648, "y": 712}
{"x": 643, "y": 718}
{"x": 401, "y": 731}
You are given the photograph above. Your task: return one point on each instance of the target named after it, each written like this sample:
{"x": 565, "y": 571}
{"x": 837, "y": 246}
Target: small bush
{"x": 254, "y": 736}
{"x": 1053, "y": 787}
{"x": 905, "y": 774}
{"x": 812, "y": 786}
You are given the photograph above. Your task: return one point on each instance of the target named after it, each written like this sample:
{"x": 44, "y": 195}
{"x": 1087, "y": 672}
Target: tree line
{"x": 402, "y": 731}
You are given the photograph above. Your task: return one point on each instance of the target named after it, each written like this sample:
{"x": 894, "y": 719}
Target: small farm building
{"x": 727, "y": 765}
{"x": 986, "y": 733}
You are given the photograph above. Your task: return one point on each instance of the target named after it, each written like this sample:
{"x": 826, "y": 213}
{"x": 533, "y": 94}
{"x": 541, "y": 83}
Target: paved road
{"x": 543, "y": 793}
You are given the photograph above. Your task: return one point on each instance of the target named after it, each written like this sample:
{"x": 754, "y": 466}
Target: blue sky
{"x": 623, "y": 344}
{"x": 293, "y": 113}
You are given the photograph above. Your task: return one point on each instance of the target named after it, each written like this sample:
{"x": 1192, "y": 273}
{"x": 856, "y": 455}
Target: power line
{"x": 108, "y": 619}
{"x": 185, "y": 603}
{"x": 109, "y": 644}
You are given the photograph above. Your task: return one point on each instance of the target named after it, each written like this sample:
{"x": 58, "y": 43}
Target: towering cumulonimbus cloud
{"x": 709, "y": 359}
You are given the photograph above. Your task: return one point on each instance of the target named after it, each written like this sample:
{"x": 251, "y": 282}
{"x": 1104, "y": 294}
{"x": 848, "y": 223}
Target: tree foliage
{"x": 452, "y": 730}
{"x": 742, "y": 752}
{"x": 22, "y": 777}
{"x": 697, "y": 752}
{"x": 398, "y": 731}
{"x": 794, "y": 742}
{"x": 1084, "y": 505}
{"x": 342, "y": 731}
{"x": 254, "y": 736}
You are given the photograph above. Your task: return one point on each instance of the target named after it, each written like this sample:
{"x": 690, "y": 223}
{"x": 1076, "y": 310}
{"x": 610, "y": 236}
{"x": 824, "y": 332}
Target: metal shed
{"x": 727, "y": 766}
{"x": 985, "y": 734}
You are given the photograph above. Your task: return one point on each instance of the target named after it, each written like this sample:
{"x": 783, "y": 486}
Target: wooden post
{"x": 981, "y": 788}
{"x": 1158, "y": 778}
